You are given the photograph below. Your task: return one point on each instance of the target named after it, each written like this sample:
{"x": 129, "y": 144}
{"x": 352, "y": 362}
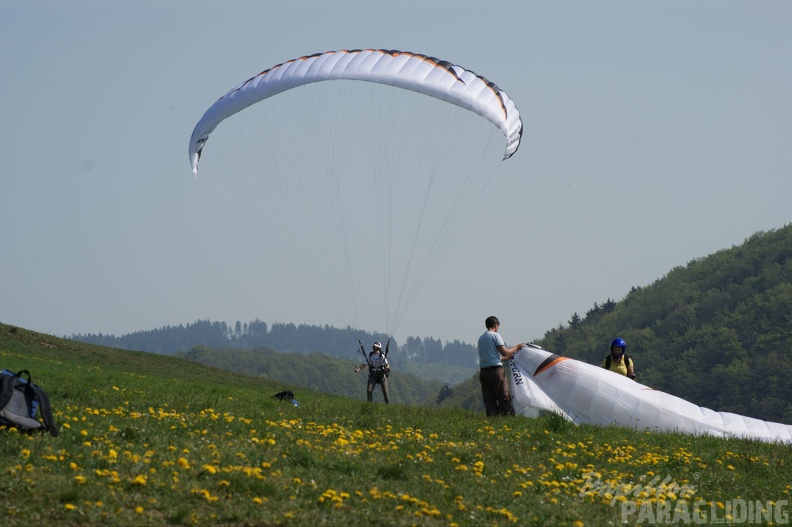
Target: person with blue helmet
{"x": 617, "y": 361}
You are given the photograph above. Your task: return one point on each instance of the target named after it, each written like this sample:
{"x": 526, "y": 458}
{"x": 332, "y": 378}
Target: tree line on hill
{"x": 428, "y": 358}
{"x": 716, "y": 332}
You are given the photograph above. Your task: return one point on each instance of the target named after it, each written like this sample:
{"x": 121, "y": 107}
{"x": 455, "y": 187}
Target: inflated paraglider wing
{"x": 411, "y": 71}
{"x": 584, "y": 393}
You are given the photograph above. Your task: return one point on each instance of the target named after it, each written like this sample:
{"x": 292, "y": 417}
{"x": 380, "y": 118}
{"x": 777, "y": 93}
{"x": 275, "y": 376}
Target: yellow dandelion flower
{"x": 139, "y": 480}
{"x": 139, "y": 510}
{"x": 70, "y": 506}
{"x": 183, "y": 463}
{"x": 80, "y": 480}
{"x": 211, "y": 469}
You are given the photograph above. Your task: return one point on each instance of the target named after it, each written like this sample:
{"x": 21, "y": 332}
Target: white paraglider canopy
{"x": 357, "y": 168}
{"x": 542, "y": 381}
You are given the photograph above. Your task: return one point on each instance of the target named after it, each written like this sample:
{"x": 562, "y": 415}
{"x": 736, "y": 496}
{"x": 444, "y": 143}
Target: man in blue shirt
{"x": 494, "y": 385}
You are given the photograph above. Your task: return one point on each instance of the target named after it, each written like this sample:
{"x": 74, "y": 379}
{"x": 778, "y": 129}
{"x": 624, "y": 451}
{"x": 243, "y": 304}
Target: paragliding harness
{"x": 20, "y": 399}
{"x": 377, "y": 372}
{"x": 627, "y": 360}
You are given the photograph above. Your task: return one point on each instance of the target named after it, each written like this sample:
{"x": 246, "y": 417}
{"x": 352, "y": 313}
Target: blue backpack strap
{"x": 46, "y": 409}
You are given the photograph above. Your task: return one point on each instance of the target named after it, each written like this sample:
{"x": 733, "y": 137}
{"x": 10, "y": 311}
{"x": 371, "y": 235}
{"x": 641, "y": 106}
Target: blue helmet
{"x": 619, "y": 343}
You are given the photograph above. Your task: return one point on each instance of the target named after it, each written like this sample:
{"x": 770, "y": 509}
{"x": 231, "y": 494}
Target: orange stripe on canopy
{"x": 549, "y": 362}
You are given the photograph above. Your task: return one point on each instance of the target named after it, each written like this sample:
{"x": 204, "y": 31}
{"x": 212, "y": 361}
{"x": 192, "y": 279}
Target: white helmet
{"x": 377, "y": 346}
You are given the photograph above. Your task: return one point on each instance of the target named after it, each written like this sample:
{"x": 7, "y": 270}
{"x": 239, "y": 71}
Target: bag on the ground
{"x": 286, "y": 395}
{"x": 21, "y": 400}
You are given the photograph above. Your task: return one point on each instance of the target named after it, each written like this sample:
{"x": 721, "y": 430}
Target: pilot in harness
{"x": 379, "y": 369}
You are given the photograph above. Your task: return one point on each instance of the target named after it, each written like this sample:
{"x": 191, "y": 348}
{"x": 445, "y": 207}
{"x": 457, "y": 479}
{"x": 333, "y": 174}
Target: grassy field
{"x": 152, "y": 440}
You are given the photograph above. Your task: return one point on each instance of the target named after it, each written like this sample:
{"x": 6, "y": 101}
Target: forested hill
{"x": 427, "y": 357}
{"x": 717, "y": 332}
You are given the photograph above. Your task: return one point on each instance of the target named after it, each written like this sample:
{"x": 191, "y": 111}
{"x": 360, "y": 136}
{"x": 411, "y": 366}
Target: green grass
{"x": 153, "y": 440}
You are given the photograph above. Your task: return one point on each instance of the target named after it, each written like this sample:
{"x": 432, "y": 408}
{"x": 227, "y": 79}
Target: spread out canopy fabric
{"x": 584, "y": 393}
{"x": 411, "y": 71}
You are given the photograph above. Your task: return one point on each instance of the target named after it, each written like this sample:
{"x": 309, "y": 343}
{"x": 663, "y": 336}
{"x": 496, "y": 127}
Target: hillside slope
{"x": 153, "y": 440}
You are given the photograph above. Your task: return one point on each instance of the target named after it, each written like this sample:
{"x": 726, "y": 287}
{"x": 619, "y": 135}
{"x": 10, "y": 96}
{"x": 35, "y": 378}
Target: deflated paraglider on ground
{"x": 542, "y": 381}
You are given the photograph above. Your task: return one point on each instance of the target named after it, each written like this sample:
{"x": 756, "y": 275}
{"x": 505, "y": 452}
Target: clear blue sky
{"x": 655, "y": 132}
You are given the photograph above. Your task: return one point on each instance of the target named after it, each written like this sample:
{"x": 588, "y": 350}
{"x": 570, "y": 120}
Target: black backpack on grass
{"x": 20, "y": 400}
